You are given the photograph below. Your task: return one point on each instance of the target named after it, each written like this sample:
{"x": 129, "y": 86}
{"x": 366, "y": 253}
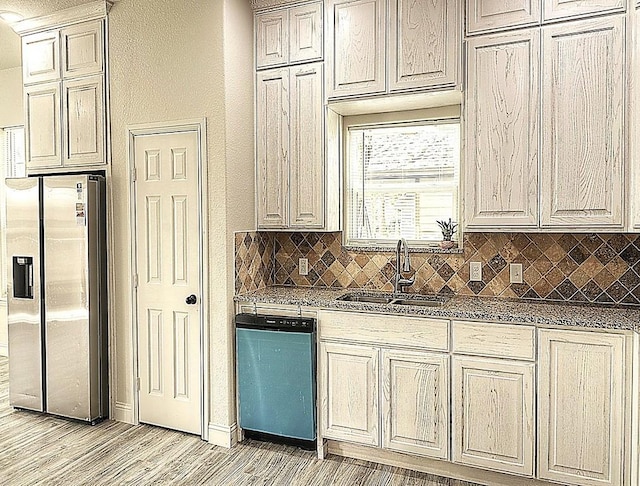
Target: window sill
{"x": 412, "y": 249}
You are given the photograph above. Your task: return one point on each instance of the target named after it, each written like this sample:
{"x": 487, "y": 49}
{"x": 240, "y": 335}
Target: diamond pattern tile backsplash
{"x": 601, "y": 268}
{"x": 254, "y": 261}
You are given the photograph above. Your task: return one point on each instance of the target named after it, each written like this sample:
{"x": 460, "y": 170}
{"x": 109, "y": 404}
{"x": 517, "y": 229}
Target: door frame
{"x": 179, "y": 126}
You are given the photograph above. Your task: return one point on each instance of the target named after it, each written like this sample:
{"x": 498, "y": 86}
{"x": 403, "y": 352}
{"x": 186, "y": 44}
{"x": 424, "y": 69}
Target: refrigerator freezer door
{"x": 72, "y": 332}
{"x": 24, "y": 294}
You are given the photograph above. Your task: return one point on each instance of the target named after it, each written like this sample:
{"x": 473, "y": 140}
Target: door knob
{"x": 192, "y": 299}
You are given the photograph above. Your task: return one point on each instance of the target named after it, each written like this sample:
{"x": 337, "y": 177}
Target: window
{"x": 400, "y": 178}
{"x": 14, "y": 152}
{"x": 13, "y": 165}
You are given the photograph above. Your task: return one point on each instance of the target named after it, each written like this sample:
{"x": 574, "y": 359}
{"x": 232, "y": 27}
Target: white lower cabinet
{"x": 493, "y": 414}
{"x": 581, "y": 407}
{"x": 415, "y": 403}
{"x": 373, "y": 391}
{"x": 505, "y": 403}
{"x": 349, "y": 393}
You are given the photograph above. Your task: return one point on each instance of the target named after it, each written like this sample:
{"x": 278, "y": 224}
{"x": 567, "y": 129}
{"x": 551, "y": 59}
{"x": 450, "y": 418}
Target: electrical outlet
{"x": 303, "y": 266}
{"x": 475, "y": 271}
{"x": 515, "y": 273}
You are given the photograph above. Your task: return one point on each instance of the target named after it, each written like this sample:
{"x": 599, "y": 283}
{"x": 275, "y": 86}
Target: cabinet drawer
{"x": 415, "y": 332}
{"x": 496, "y": 340}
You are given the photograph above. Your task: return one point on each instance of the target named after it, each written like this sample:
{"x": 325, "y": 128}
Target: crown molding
{"x": 98, "y": 9}
{"x": 262, "y": 4}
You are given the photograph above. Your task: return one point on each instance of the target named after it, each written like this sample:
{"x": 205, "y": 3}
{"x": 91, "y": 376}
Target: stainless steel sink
{"x": 370, "y": 299}
{"x": 418, "y": 300}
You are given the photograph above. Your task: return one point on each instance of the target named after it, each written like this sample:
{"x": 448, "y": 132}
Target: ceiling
{"x": 9, "y": 40}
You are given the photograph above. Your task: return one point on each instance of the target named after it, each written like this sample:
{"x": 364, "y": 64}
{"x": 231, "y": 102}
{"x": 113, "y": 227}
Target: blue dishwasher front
{"x": 276, "y": 378}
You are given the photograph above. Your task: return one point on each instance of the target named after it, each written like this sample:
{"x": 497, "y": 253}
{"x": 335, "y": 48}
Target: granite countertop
{"x": 461, "y": 307}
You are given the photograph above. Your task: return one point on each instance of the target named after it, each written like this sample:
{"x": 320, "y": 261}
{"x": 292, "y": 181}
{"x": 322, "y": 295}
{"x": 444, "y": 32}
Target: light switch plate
{"x": 303, "y": 266}
{"x": 515, "y": 273}
{"x": 475, "y": 271}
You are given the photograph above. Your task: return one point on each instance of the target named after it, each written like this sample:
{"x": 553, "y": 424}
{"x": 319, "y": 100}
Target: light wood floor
{"x": 40, "y": 449}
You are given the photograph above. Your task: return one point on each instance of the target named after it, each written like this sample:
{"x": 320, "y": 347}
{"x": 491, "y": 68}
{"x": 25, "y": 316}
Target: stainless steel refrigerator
{"x": 56, "y": 295}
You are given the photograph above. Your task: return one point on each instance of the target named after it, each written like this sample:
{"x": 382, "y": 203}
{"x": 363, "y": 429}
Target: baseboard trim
{"x": 430, "y": 466}
{"x": 4, "y": 350}
{"x": 123, "y": 412}
{"x": 223, "y": 435}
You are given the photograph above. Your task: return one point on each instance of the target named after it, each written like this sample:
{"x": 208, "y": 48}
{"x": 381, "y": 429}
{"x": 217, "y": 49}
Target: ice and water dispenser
{"x": 23, "y": 277}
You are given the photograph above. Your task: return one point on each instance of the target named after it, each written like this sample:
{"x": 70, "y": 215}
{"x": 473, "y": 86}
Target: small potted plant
{"x": 448, "y": 228}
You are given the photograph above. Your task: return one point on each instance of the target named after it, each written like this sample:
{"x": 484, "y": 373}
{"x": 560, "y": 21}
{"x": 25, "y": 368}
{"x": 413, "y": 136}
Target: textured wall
{"x": 167, "y": 62}
{"x": 602, "y": 268}
{"x": 11, "y": 108}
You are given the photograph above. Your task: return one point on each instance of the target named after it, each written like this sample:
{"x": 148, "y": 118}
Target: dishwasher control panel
{"x": 276, "y": 323}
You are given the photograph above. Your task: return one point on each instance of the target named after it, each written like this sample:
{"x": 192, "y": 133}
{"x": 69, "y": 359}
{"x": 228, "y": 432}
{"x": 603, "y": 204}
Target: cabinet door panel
{"x": 424, "y": 38}
{"x": 635, "y": 120}
{"x": 272, "y": 38}
{"x": 41, "y": 57}
{"x": 581, "y": 407}
{"x": 83, "y": 121}
{"x": 356, "y": 47}
{"x": 486, "y": 15}
{"x": 416, "y": 403}
{"x": 305, "y": 30}
{"x": 272, "y": 148}
{"x": 502, "y": 126}
{"x": 307, "y": 155}
{"x": 349, "y": 393}
{"x": 583, "y": 123}
{"x": 560, "y": 9}
{"x": 42, "y": 125}
{"x": 82, "y": 49}
{"x": 494, "y": 414}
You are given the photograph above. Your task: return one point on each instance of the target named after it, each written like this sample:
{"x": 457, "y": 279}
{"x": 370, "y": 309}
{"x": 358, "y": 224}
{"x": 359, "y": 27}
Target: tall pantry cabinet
{"x": 291, "y": 175}
{"x": 550, "y": 157}
{"x": 64, "y": 76}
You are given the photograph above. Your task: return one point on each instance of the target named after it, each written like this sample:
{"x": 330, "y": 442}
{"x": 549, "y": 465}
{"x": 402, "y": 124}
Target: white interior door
{"x": 168, "y": 265}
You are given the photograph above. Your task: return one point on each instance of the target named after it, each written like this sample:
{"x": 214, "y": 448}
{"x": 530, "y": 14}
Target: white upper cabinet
{"x": 489, "y": 15}
{"x": 305, "y": 31}
{"x": 65, "y": 97}
{"x": 307, "y": 167}
{"x": 290, "y": 183}
{"x": 423, "y": 38}
{"x": 43, "y": 145}
{"x": 356, "y": 36}
{"x": 583, "y": 163}
{"x": 573, "y": 109}
{"x": 82, "y": 49}
{"x": 502, "y": 130}
{"x": 272, "y": 148}
{"x": 41, "y": 57}
{"x": 83, "y": 121}
{"x": 562, "y": 9}
{"x": 272, "y": 40}
{"x": 423, "y": 49}
{"x": 288, "y": 36}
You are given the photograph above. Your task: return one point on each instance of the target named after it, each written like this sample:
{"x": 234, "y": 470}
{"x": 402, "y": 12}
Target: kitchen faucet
{"x": 399, "y": 282}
